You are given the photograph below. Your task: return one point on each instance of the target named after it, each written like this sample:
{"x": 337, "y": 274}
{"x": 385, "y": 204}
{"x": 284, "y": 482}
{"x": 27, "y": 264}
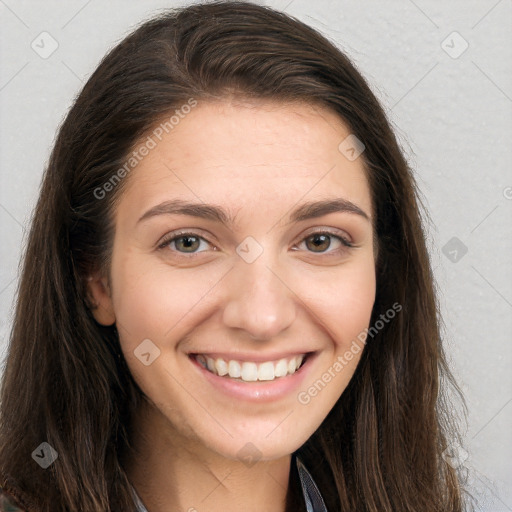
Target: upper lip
{"x": 257, "y": 357}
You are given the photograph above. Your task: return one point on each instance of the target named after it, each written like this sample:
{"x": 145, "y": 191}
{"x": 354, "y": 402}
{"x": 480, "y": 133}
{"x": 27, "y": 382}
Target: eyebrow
{"x": 309, "y": 210}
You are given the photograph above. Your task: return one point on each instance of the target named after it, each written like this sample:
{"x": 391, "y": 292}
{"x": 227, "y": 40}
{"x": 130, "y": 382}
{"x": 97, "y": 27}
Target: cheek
{"x": 342, "y": 306}
{"x": 342, "y": 300}
{"x": 153, "y": 300}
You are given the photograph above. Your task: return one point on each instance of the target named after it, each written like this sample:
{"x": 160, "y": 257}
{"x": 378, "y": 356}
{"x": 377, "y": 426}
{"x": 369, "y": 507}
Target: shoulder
{"x": 8, "y": 503}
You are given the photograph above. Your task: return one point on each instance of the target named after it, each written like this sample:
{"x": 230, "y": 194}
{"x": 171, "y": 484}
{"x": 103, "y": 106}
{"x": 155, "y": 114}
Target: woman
{"x": 226, "y": 301}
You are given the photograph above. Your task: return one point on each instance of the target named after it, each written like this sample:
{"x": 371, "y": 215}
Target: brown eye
{"x": 319, "y": 242}
{"x": 187, "y": 242}
{"x": 322, "y": 243}
{"x": 184, "y": 243}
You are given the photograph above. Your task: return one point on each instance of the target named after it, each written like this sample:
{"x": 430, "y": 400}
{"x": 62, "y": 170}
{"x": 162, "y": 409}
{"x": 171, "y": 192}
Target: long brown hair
{"x": 65, "y": 380}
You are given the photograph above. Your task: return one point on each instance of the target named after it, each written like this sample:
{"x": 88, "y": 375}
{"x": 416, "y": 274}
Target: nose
{"x": 259, "y": 301}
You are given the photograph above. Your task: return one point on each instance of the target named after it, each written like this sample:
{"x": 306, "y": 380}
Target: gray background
{"x": 451, "y": 108}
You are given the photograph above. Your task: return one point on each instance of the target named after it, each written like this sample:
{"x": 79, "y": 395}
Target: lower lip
{"x": 258, "y": 391}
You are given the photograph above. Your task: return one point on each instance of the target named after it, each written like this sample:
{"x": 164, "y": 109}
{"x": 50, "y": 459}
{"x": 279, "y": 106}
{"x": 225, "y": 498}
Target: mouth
{"x": 251, "y": 371}
{"x": 254, "y": 378}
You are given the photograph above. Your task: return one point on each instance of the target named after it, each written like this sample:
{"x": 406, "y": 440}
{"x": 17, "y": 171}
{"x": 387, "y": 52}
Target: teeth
{"x": 281, "y": 368}
{"x": 266, "y": 371}
{"x": 221, "y": 367}
{"x": 234, "y": 369}
{"x": 294, "y": 363}
{"x": 249, "y": 371}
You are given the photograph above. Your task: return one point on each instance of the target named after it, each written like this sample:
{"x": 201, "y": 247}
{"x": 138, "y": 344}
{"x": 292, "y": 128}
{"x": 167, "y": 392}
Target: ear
{"x": 100, "y": 297}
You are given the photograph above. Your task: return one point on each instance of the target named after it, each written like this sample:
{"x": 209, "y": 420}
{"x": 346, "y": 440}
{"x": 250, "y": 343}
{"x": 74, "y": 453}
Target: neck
{"x": 172, "y": 472}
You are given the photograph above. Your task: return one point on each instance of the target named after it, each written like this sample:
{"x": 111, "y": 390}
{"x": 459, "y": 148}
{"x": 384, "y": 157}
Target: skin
{"x": 258, "y": 161}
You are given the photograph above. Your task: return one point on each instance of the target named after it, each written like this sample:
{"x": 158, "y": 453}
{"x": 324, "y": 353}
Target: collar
{"x": 312, "y": 497}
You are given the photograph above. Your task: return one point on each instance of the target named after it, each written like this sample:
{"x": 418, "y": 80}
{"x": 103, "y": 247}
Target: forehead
{"x": 256, "y": 155}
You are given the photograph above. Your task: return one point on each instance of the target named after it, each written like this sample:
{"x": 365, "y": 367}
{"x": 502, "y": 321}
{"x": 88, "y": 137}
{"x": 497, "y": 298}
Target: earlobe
{"x": 99, "y": 296}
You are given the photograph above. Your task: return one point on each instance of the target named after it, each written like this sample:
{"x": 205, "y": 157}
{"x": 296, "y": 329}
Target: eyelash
{"x": 171, "y": 237}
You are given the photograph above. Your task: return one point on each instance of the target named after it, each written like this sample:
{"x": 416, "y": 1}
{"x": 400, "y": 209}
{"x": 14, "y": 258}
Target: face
{"x": 249, "y": 281}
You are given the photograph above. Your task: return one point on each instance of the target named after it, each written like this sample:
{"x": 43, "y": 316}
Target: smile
{"x": 250, "y": 371}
